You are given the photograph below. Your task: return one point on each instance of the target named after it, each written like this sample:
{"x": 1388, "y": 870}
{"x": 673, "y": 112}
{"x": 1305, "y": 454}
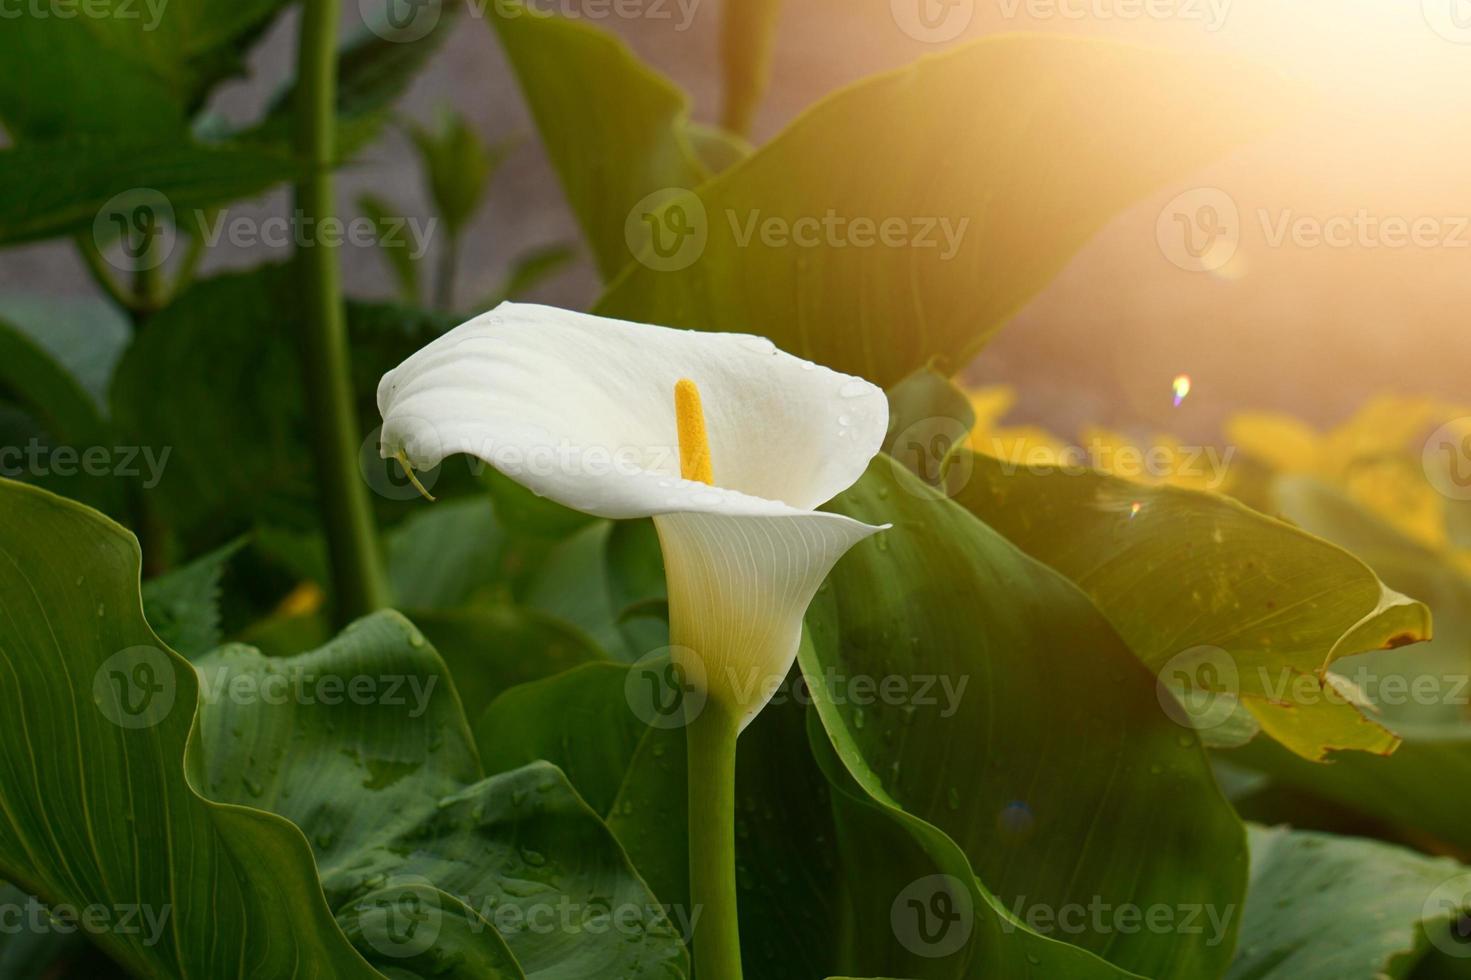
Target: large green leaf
{"x": 112, "y": 814}
{"x": 73, "y": 185}
{"x": 873, "y": 249}
{"x": 906, "y": 880}
{"x": 593, "y": 100}
{"x": 1178, "y": 571}
{"x": 353, "y": 762}
{"x": 1322, "y": 907}
{"x": 1052, "y": 768}
{"x": 386, "y": 784}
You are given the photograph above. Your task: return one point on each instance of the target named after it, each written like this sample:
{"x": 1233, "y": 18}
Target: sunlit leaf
{"x": 875, "y": 251}
{"x": 1203, "y": 586}
{"x": 1422, "y": 692}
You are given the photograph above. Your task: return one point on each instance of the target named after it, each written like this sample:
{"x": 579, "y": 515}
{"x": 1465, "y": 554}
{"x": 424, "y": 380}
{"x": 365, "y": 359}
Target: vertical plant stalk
{"x": 357, "y": 574}
{"x": 712, "y": 768}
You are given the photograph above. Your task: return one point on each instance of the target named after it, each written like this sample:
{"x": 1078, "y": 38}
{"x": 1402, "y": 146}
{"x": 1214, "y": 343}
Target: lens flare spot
{"x": 1181, "y": 386}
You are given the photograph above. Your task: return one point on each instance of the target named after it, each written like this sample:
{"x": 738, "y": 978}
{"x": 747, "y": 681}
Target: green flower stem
{"x": 712, "y": 761}
{"x": 358, "y": 582}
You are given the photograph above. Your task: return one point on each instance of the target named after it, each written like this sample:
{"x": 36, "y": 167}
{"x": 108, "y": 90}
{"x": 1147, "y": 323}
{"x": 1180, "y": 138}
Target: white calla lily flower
{"x": 583, "y": 410}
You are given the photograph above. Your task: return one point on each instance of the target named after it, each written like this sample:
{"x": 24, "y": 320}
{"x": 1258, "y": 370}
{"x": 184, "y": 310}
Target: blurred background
{"x": 1326, "y": 264}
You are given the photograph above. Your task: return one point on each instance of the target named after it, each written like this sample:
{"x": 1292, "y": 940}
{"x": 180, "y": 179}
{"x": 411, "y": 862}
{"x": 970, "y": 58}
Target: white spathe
{"x": 580, "y": 409}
